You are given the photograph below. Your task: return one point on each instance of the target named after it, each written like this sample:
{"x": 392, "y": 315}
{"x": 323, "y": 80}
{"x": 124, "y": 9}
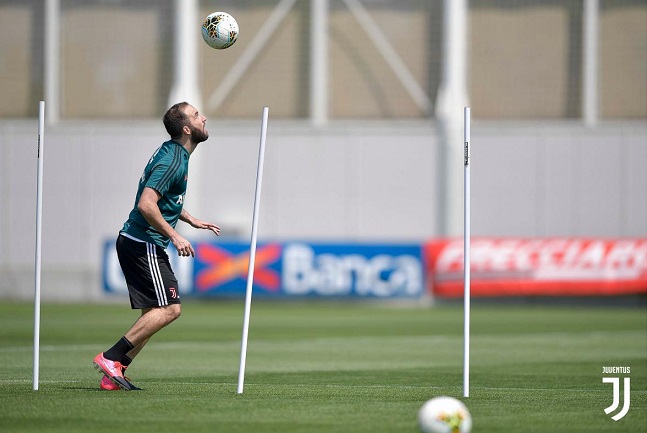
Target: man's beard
{"x": 197, "y": 135}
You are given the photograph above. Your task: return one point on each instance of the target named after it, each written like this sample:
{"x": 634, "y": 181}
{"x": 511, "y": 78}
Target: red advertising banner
{"x": 538, "y": 267}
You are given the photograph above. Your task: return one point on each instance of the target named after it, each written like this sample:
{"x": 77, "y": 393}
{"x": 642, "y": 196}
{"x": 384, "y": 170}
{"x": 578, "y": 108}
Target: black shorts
{"x": 150, "y": 279}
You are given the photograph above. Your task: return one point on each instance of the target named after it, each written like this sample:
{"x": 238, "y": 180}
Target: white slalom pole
{"x": 466, "y": 255}
{"x": 252, "y": 253}
{"x": 39, "y": 221}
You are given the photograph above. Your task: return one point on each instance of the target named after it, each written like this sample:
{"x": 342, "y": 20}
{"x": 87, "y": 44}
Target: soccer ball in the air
{"x": 444, "y": 415}
{"x": 219, "y": 30}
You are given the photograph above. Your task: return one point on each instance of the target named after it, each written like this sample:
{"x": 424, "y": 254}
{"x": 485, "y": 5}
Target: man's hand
{"x": 182, "y": 246}
{"x": 199, "y": 224}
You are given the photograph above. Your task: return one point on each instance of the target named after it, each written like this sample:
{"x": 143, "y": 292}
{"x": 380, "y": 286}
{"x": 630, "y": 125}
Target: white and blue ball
{"x": 444, "y": 415}
{"x": 220, "y": 30}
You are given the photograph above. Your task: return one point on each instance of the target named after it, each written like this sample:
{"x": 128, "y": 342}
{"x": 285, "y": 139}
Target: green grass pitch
{"x": 324, "y": 367}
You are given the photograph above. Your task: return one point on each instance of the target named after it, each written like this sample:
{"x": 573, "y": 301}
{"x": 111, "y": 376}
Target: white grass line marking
{"x": 339, "y": 386}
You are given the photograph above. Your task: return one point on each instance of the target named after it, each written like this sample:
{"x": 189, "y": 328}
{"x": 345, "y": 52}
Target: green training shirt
{"x": 166, "y": 172}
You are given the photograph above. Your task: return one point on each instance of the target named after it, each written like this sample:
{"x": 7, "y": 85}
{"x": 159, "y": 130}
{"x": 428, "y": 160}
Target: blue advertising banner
{"x": 356, "y": 270}
{"x": 221, "y": 269}
{"x": 292, "y": 269}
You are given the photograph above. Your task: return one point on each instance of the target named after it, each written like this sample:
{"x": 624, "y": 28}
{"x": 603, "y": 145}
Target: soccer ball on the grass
{"x": 219, "y": 30}
{"x": 444, "y": 415}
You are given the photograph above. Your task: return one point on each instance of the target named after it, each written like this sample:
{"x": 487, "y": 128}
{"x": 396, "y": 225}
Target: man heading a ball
{"x": 141, "y": 244}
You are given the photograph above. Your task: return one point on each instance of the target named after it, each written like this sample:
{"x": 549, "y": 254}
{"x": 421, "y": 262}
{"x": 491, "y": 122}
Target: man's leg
{"x": 149, "y": 323}
{"x": 150, "y": 281}
{"x": 135, "y": 350}
{"x": 118, "y": 357}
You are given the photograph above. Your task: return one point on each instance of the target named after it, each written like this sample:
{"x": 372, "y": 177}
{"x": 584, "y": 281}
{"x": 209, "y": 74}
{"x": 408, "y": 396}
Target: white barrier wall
{"x": 369, "y": 181}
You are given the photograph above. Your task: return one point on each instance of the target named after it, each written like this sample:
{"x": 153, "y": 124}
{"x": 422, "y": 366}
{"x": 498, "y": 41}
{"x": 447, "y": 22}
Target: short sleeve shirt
{"x": 167, "y": 173}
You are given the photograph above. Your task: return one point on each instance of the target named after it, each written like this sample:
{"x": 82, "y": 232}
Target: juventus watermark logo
{"x": 616, "y": 391}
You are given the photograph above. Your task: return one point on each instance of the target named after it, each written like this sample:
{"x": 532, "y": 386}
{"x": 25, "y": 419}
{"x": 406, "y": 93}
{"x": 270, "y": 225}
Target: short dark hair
{"x": 175, "y": 119}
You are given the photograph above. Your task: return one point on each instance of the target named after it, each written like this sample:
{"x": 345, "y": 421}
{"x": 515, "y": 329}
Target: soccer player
{"x": 141, "y": 244}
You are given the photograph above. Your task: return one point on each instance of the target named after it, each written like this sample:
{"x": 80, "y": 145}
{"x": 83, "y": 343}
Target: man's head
{"x": 183, "y": 119}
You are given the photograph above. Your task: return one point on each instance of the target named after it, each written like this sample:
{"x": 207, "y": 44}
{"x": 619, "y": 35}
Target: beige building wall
{"x": 525, "y": 60}
{"x": 17, "y": 84}
{"x": 111, "y": 62}
{"x": 623, "y": 62}
{"x": 362, "y": 84}
{"x": 278, "y": 77}
{"x": 519, "y": 62}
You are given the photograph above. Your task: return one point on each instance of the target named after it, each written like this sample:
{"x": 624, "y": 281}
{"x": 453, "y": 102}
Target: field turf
{"x": 324, "y": 367}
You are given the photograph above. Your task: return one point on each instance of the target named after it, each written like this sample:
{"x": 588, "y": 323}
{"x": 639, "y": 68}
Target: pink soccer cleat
{"x": 107, "y": 385}
{"x": 108, "y": 367}
{"x": 113, "y": 371}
